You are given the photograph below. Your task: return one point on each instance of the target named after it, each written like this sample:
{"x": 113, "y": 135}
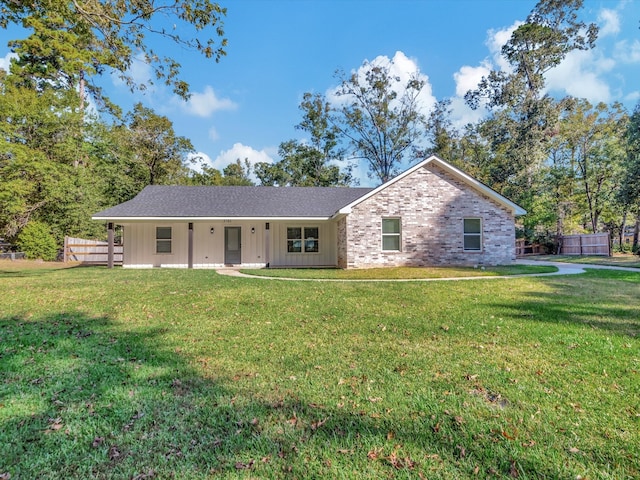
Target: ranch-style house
{"x": 431, "y": 214}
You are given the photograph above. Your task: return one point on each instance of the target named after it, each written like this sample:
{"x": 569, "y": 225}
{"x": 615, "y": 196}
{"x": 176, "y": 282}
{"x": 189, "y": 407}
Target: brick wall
{"x": 431, "y": 204}
{"x": 342, "y": 243}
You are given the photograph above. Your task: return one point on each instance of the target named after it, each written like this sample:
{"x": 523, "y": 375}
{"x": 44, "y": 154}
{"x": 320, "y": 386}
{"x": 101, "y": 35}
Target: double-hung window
{"x": 163, "y": 239}
{"x": 472, "y": 236}
{"x": 391, "y": 234}
{"x": 303, "y": 240}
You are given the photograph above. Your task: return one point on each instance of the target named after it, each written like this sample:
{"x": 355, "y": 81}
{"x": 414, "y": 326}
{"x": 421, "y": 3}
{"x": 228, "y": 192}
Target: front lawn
{"x": 189, "y": 374}
{"x": 616, "y": 260}
{"x": 398, "y": 273}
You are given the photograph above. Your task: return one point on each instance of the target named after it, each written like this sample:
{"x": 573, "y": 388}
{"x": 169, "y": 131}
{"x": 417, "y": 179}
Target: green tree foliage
{"x": 36, "y": 241}
{"x": 71, "y": 40}
{"x": 380, "y": 118}
{"x": 629, "y": 194}
{"x": 301, "y": 166}
{"x": 36, "y": 152}
{"x": 576, "y": 190}
{"x": 116, "y": 169}
{"x": 58, "y": 165}
{"x": 525, "y": 118}
{"x": 207, "y": 176}
{"x": 309, "y": 163}
{"x": 630, "y": 191}
{"x": 442, "y": 136}
{"x": 57, "y": 169}
{"x": 551, "y": 31}
{"x": 237, "y": 173}
{"x": 159, "y": 152}
{"x": 594, "y": 147}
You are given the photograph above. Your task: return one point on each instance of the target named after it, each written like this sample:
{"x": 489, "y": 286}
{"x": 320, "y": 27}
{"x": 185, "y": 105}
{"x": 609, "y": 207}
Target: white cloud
{"x": 467, "y": 78}
{"x": 213, "y": 134}
{"x": 204, "y": 104}
{"x": 626, "y": 52}
{"x": 496, "y": 39}
{"x": 197, "y": 160}
{"x": 402, "y": 67}
{"x": 462, "y": 114}
{"x": 609, "y": 22}
{"x": 238, "y": 151}
{"x": 632, "y": 97}
{"x": 580, "y": 75}
{"x": 5, "y": 62}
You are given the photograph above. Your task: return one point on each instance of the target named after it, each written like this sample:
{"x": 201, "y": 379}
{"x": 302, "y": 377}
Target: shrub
{"x": 36, "y": 241}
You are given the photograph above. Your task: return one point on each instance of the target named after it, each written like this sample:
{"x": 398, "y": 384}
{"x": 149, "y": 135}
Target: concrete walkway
{"x": 568, "y": 267}
{"x": 563, "y": 269}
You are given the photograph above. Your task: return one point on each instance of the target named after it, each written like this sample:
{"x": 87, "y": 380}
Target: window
{"x": 391, "y": 234}
{"x": 311, "y": 240}
{"x": 163, "y": 239}
{"x": 303, "y": 240}
{"x": 472, "y": 234}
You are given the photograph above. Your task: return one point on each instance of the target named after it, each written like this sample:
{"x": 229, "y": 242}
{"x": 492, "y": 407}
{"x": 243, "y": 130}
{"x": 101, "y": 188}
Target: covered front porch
{"x": 194, "y": 243}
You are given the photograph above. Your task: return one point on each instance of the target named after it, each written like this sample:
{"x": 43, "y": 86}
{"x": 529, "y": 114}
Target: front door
{"x": 232, "y": 245}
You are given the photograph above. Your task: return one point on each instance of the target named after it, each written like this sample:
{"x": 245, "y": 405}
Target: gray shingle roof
{"x": 193, "y": 202}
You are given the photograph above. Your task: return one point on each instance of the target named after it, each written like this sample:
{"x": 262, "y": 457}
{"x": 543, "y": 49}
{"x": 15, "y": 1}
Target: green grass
{"x": 617, "y": 260}
{"x": 188, "y": 374}
{"x": 398, "y": 273}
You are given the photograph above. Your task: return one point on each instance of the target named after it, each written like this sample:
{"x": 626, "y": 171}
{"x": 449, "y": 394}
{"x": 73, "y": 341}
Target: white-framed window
{"x": 163, "y": 239}
{"x": 303, "y": 239}
{"x": 391, "y": 230}
{"x": 472, "y": 236}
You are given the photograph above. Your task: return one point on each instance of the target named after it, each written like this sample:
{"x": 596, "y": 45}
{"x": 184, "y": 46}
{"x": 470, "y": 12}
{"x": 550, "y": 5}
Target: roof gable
{"x": 467, "y": 179}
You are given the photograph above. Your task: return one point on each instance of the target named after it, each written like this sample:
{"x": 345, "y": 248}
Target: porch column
{"x": 110, "y": 245}
{"x": 190, "y": 251}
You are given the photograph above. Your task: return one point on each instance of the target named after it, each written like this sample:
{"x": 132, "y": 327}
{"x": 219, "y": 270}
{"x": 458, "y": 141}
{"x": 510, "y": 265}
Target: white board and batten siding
{"x": 327, "y": 246}
{"x": 208, "y": 248}
{"x": 259, "y": 247}
{"x": 139, "y": 240}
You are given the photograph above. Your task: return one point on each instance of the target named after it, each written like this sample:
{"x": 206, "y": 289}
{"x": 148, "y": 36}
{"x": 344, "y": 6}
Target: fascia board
{"x": 517, "y": 210}
{"x": 206, "y": 219}
{"x": 481, "y": 187}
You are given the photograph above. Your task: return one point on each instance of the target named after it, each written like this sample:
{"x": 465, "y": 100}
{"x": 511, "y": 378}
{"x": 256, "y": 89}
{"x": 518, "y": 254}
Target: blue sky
{"x": 244, "y": 106}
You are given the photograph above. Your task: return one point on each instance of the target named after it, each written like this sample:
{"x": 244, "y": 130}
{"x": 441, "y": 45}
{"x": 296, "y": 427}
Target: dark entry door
{"x": 232, "y": 245}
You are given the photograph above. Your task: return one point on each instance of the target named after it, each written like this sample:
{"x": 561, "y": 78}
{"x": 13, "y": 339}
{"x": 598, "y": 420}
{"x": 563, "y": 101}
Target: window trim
{"x": 394, "y": 234}
{"x": 302, "y": 239}
{"x": 168, "y": 241}
{"x": 472, "y": 234}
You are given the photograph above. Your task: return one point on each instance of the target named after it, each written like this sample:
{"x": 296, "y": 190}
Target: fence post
{"x": 581, "y": 250}
{"x": 64, "y": 249}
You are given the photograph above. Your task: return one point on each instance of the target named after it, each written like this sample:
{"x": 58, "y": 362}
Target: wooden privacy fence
{"x": 524, "y": 248}
{"x": 592, "y": 244}
{"x": 90, "y": 252}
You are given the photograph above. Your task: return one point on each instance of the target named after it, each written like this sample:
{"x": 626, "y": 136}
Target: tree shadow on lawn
{"x": 82, "y": 397}
{"x": 574, "y": 301}
{"x": 34, "y": 269}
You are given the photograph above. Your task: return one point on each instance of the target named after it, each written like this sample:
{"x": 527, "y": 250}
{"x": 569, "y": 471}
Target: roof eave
{"x": 205, "y": 219}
